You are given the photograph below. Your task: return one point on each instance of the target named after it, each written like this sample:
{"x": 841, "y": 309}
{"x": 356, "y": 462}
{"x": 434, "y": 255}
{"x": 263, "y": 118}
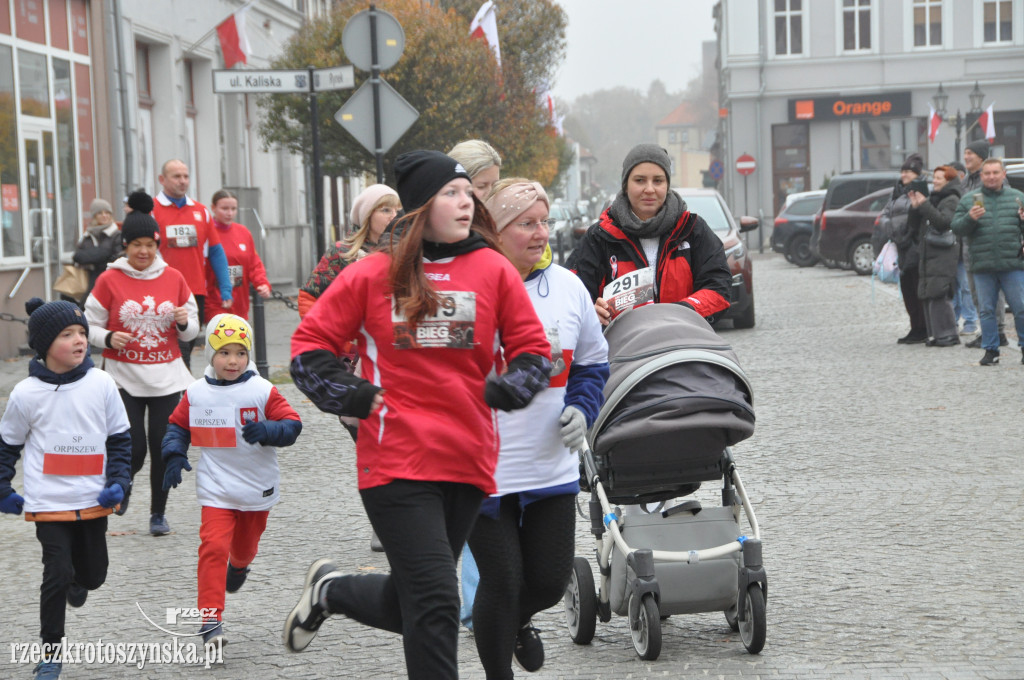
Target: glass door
{"x": 39, "y": 182}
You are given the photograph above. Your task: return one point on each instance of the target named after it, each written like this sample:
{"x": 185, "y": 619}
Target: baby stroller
{"x": 675, "y": 401}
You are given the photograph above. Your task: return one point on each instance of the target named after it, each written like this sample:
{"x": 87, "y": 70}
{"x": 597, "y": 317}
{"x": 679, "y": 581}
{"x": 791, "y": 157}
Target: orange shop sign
{"x": 887, "y": 105}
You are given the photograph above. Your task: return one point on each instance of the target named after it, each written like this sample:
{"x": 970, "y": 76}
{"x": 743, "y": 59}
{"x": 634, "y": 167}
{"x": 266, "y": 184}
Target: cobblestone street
{"x": 887, "y": 480}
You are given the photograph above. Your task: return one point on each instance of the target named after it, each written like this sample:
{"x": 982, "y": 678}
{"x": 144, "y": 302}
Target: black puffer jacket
{"x": 938, "y": 265}
{"x": 893, "y": 223}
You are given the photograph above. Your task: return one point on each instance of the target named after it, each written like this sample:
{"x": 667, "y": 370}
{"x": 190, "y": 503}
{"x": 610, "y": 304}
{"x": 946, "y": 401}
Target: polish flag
{"x": 934, "y": 120}
{"x": 234, "y": 45}
{"x": 485, "y": 26}
{"x": 986, "y": 121}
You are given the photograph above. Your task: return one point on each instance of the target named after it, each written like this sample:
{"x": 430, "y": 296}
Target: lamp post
{"x": 940, "y": 98}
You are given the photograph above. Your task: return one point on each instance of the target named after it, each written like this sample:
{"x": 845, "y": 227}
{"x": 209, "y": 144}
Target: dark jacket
{"x": 94, "y": 252}
{"x": 938, "y": 265}
{"x": 691, "y": 262}
{"x": 996, "y": 239}
{"x": 893, "y": 223}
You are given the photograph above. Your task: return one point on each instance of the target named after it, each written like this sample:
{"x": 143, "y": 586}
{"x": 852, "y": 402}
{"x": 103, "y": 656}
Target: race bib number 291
{"x": 630, "y": 290}
{"x": 450, "y": 328}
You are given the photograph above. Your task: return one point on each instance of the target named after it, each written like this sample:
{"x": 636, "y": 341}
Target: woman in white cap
{"x": 372, "y": 211}
{"x": 428, "y": 313}
{"x": 648, "y": 234}
{"x": 523, "y": 539}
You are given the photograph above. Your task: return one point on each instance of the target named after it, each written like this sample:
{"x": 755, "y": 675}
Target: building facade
{"x": 811, "y": 89}
{"x": 97, "y": 94}
{"x": 681, "y": 135}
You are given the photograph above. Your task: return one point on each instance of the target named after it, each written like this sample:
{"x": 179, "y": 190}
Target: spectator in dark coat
{"x": 100, "y": 244}
{"x": 893, "y": 222}
{"x": 931, "y": 216}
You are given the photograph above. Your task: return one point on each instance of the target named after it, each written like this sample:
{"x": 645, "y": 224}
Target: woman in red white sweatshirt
{"x": 430, "y": 314}
{"x": 138, "y": 311}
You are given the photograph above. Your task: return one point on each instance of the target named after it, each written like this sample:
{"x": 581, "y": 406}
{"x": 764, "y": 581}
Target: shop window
{"x": 998, "y": 21}
{"x": 58, "y": 24}
{"x": 12, "y": 243}
{"x": 885, "y": 144}
{"x": 856, "y": 25}
{"x": 29, "y": 20}
{"x": 34, "y": 84}
{"x": 67, "y": 170}
{"x": 927, "y": 23}
{"x": 789, "y": 27}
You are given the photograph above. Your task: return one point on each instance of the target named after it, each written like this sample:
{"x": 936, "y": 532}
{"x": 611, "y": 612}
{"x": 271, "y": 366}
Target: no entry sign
{"x": 745, "y": 164}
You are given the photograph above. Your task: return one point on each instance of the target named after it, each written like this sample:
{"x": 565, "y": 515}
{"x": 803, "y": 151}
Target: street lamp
{"x": 940, "y": 98}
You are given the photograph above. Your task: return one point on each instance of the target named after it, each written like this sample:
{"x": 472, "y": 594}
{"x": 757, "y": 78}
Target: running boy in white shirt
{"x": 237, "y": 418}
{"x": 77, "y": 467}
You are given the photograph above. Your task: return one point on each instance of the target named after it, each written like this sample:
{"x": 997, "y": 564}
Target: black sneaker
{"x": 974, "y": 344}
{"x": 213, "y": 632}
{"x": 912, "y": 338}
{"x": 307, "y": 616}
{"x": 991, "y": 357}
{"x": 948, "y": 341}
{"x": 76, "y": 595}
{"x": 375, "y": 544}
{"x": 236, "y": 578}
{"x": 158, "y": 525}
{"x": 529, "y": 651}
{"x": 1003, "y": 342}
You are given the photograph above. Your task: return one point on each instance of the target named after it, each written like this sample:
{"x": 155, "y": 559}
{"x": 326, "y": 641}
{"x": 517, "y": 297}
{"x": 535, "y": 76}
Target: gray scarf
{"x": 662, "y": 223}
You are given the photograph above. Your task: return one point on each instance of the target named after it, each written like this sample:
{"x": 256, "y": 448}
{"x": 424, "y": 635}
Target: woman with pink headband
{"x": 523, "y": 539}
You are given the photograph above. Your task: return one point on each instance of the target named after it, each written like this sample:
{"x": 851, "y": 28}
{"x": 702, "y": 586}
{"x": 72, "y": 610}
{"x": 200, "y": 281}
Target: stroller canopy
{"x": 675, "y": 399}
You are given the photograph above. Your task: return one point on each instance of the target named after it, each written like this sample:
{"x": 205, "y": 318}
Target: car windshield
{"x": 710, "y": 209}
{"x": 805, "y": 206}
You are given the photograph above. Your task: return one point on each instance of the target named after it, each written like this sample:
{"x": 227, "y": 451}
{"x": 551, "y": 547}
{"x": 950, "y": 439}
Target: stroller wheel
{"x": 730, "y": 618}
{"x": 645, "y": 628}
{"x": 754, "y": 628}
{"x": 581, "y": 603}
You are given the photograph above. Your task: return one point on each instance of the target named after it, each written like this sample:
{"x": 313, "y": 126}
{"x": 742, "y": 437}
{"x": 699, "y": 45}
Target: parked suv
{"x": 793, "y": 226}
{"x": 845, "y": 189}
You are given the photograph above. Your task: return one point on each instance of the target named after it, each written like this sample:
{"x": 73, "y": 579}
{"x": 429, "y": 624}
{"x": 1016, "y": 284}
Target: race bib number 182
{"x": 451, "y": 327}
{"x": 630, "y": 290}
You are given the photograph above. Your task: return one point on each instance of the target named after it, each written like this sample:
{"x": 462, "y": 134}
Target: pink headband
{"x": 513, "y": 201}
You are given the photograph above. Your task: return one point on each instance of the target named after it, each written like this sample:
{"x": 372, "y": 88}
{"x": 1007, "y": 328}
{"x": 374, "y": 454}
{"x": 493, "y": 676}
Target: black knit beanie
{"x": 139, "y": 223}
{"x": 646, "y": 153}
{"x": 914, "y": 163}
{"x": 421, "y": 174}
{"x": 980, "y": 147}
{"x": 47, "y": 320}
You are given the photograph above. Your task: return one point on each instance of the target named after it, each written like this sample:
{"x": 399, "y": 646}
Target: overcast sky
{"x": 631, "y": 43}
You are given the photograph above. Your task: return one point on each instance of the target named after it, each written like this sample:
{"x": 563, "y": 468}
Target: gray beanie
{"x": 646, "y": 153}
{"x": 98, "y": 205}
{"x": 979, "y": 147}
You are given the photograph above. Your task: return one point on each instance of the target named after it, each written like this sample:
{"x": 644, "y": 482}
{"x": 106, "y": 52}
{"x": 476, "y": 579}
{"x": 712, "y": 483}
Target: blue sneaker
{"x": 213, "y": 632}
{"x": 47, "y": 670}
{"x": 235, "y": 578}
{"x": 158, "y": 525}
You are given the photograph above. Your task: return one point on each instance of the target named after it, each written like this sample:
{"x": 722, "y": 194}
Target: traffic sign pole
{"x": 378, "y": 151}
{"x": 318, "y": 184}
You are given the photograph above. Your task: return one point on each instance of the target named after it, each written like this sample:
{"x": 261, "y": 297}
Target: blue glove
{"x": 12, "y": 504}
{"x": 173, "y": 466}
{"x": 111, "y": 496}
{"x": 255, "y": 433}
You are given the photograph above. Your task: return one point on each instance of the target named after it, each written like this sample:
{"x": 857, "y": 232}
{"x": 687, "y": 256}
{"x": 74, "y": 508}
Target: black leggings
{"x": 160, "y": 409}
{"x": 423, "y": 526}
{"x": 73, "y": 552}
{"x": 525, "y": 561}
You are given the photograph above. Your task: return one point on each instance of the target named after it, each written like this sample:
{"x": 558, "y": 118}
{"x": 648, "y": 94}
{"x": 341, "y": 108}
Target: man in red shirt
{"x": 188, "y": 240}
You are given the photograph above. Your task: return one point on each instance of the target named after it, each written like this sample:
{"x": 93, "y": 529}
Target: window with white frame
{"x": 997, "y": 21}
{"x": 789, "y": 27}
{"x": 927, "y": 23}
{"x": 856, "y": 25}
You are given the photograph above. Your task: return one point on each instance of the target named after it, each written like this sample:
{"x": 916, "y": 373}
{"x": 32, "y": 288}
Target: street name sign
{"x": 251, "y": 82}
{"x": 336, "y": 78}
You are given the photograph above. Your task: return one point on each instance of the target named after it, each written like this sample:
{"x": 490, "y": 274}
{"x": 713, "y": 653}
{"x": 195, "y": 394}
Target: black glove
{"x": 173, "y": 465}
{"x": 526, "y": 376}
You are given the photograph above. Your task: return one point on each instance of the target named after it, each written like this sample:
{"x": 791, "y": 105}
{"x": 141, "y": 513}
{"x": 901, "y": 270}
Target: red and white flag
{"x": 234, "y": 45}
{"x": 934, "y": 121}
{"x": 485, "y": 27}
{"x": 987, "y": 123}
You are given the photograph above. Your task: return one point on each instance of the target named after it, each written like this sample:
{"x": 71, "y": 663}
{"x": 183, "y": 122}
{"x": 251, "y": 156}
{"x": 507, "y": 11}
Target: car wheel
{"x": 862, "y": 256}
{"x": 798, "y": 251}
{"x": 746, "y": 319}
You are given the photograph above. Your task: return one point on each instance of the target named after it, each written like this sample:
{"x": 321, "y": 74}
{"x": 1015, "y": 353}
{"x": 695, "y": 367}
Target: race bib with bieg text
{"x": 450, "y": 328}
{"x": 182, "y": 236}
{"x": 630, "y": 290}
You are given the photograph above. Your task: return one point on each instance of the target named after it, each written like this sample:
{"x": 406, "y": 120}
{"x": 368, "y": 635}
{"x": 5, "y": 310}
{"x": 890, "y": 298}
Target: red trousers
{"x": 225, "y": 534}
